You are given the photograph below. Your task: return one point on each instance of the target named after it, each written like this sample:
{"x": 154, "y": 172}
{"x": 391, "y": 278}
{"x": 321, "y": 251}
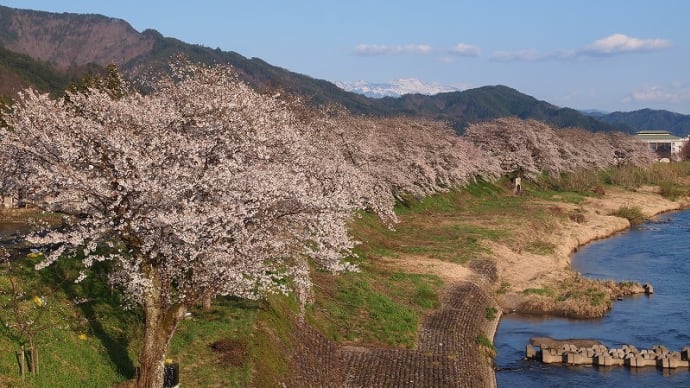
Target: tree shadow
{"x": 97, "y": 302}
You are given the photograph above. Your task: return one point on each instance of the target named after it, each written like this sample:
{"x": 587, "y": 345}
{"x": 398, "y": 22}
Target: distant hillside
{"x": 19, "y": 71}
{"x": 71, "y": 40}
{"x": 65, "y": 45}
{"x": 490, "y": 102}
{"x": 649, "y": 119}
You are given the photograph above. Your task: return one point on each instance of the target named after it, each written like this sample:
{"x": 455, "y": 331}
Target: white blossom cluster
{"x": 401, "y": 155}
{"x": 532, "y": 147}
{"x": 200, "y": 187}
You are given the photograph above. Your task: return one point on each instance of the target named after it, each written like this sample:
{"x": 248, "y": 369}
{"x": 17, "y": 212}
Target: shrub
{"x": 671, "y": 191}
{"x": 631, "y": 213}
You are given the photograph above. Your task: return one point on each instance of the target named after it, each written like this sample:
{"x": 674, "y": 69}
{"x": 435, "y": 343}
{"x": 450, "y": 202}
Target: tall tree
{"x": 201, "y": 187}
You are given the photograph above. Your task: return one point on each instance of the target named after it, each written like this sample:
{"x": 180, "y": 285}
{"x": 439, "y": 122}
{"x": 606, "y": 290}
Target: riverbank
{"x": 523, "y": 274}
{"x": 528, "y": 281}
{"x": 540, "y": 281}
{"x": 654, "y": 252}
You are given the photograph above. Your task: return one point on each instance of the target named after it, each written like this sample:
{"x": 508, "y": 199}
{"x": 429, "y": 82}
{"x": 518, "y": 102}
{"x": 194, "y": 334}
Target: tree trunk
{"x": 22, "y": 362}
{"x": 206, "y": 302}
{"x": 161, "y": 323}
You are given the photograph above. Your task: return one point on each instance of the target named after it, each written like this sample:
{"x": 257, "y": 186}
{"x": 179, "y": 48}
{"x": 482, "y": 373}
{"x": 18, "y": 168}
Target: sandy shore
{"x": 518, "y": 271}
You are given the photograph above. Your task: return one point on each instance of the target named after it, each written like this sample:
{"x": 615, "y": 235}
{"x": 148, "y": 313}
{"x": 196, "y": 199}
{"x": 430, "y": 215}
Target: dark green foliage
{"x": 109, "y": 80}
{"x": 5, "y": 107}
{"x": 30, "y": 72}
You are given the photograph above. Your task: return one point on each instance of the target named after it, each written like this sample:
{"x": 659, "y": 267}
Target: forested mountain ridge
{"x": 649, "y": 119}
{"x": 70, "y": 40}
{"x": 487, "y": 103}
{"x": 51, "y": 50}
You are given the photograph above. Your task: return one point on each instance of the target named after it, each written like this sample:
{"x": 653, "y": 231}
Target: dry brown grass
{"x": 231, "y": 352}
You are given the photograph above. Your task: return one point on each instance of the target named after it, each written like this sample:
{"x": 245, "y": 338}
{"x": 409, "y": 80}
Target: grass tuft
{"x": 631, "y": 213}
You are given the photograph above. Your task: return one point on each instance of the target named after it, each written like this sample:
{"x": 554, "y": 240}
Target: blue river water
{"x": 658, "y": 252}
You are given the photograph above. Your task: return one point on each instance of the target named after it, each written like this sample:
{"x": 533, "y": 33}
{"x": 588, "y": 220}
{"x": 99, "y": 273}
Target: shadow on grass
{"x": 102, "y": 308}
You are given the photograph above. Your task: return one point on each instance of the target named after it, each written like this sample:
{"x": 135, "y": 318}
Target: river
{"x": 657, "y": 252}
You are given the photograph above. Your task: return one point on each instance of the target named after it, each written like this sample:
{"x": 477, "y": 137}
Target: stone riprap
{"x": 448, "y": 353}
{"x": 600, "y": 355}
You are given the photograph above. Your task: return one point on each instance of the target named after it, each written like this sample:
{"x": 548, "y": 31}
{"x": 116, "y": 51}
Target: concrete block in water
{"x": 648, "y": 289}
{"x": 607, "y": 360}
{"x": 530, "y": 352}
{"x": 639, "y": 362}
{"x": 685, "y": 353}
{"x": 648, "y": 354}
{"x": 548, "y": 357}
{"x": 671, "y": 363}
{"x": 573, "y": 358}
{"x": 660, "y": 349}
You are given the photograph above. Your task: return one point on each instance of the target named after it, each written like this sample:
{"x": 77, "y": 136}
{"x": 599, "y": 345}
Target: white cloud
{"x": 658, "y": 93}
{"x": 615, "y": 44}
{"x": 620, "y": 43}
{"x": 521, "y": 55}
{"x": 464, "y": 49}
{"x": 376, "y": 49}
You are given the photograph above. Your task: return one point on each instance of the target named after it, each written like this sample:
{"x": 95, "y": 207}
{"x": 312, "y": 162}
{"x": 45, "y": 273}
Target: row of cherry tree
{"x": 203, "y": 187}
{"x": 532, "y": 147}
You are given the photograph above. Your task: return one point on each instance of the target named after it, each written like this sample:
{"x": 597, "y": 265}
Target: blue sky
{"x": 586, "y": 54}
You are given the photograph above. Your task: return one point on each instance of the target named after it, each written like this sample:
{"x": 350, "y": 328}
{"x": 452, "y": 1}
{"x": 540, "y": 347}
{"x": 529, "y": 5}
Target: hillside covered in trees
{"x": 649, "y": 119}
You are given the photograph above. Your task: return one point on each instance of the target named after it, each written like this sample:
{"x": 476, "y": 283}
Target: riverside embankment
{"x": 520, "y": 274}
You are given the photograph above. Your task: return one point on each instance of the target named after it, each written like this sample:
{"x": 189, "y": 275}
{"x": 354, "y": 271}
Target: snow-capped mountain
{"x": 395, "y": 88}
